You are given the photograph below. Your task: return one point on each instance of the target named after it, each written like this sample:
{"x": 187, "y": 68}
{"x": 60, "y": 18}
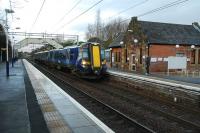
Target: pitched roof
{"x": 166, "y": 33}
{"x": 117, "y": 40}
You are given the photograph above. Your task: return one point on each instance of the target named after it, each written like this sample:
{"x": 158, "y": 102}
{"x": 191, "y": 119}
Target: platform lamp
{"x": 7, "y": 61}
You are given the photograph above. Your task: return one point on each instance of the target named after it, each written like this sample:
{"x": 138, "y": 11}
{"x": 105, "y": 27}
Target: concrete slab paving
{"x": 76, "y": 117}
{"x": 13, "y": 108}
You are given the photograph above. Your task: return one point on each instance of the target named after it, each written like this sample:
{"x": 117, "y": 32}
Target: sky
{"x": 49, "y": 20}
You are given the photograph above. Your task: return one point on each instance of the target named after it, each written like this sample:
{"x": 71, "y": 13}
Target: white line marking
{"x": 89, "y": 114}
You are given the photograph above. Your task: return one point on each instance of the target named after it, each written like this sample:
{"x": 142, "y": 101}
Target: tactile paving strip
{"x": 53, "y": 119}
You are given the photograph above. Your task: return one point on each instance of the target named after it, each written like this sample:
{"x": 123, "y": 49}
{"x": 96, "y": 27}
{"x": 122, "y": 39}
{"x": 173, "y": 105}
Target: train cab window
{"x": 102, "y": 54}
{"x": 85, "y": 54}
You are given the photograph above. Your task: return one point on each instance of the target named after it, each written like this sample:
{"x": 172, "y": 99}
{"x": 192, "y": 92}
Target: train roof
{"x": 73, "y": 46}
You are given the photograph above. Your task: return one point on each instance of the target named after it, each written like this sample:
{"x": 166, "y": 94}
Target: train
{"x": 86, "y": 61}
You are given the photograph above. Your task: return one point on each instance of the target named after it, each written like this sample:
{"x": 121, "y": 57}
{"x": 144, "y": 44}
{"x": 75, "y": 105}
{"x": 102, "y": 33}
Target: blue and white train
{"x": 87, "y": 60}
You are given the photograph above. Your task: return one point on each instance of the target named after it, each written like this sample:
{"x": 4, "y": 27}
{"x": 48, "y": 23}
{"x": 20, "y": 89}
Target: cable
{"x": 163, "y": 7}
{"x": 138, "y": 4}
{"x": 159, "y": 8}
{"x": 69, "y": 11}
{"x": 38, "y": 15}
{"x": 79, "y": 15}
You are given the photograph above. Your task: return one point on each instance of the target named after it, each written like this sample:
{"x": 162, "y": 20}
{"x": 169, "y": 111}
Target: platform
{"x": 13, "y": 105}
{"x": 62, "y": 113}
{"x": 159, "y": 79}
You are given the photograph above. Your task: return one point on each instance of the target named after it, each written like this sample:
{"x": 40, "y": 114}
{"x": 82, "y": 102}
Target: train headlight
{"x": 84, "y": 62}
{"x": 103, "y": 62}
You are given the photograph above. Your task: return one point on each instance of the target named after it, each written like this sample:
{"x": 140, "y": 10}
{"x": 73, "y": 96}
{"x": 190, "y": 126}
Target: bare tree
{"x": 105, "y": 31}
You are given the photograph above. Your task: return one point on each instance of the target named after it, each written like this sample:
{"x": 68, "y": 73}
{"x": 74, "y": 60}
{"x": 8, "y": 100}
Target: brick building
{"x": 159, "y": 41}
{"x": 116, "y": 47}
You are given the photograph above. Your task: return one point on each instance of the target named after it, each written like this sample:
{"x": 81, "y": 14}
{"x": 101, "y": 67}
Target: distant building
{"x": 152, "y": 43}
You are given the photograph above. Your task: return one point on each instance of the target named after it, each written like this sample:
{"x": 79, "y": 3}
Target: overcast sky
{"x": 53, "y": 10}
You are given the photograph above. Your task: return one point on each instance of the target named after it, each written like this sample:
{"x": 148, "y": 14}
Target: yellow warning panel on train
{"x": 96, "y": 56}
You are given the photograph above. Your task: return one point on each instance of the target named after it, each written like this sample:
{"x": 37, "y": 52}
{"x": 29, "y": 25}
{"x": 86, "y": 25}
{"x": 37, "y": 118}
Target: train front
{"x": 92, "y": 63}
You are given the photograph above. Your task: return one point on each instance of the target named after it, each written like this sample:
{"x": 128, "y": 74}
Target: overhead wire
{"x": 177, "y": 2}
{"x": 38, "y": 15}
{"x": 79, "y": 15}
{"x": 159, "y": 9}
{"x": 163, "y": 7}
{"x": 69, "y": 12}
{"x": 131, "y": 7}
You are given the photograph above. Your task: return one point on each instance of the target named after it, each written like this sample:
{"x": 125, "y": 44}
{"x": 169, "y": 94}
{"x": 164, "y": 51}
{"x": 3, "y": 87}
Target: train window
{"x": 62, "y": 56}
{"x": 85, "y": 53}
{"x": 107, "y": 56}
{"x": 67, "y": 54}
{"x": 71, "y": 55}
{"x": 102, "y": 54}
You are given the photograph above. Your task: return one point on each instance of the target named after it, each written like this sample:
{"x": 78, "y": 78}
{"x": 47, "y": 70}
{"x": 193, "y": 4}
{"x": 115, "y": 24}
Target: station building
{"x": 149, "y": 45}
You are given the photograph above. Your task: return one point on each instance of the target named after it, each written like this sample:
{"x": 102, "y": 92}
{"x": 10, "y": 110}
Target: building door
{"x": 133, "y": 64}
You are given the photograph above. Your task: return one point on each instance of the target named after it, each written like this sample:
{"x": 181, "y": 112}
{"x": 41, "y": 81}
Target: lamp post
{"x": 77, "y": 40}
{"x": 13, "y": 52}
{"x": 7, "y": 61}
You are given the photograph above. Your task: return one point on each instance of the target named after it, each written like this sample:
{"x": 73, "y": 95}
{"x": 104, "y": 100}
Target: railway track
{"x": 174, "y": 115}
{"x": 174, "y": 119}
{"x": 177, "y": 95}
{"x": 116, "y": 120}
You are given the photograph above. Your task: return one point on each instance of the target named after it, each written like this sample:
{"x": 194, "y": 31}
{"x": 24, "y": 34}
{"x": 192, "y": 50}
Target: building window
{"x": 119, "y": 57}
{"x": 140, "y": 55}
{"x": 192, "y": 59}
{"x": 115, "y": 56}
{"x": 180, "y": 54}
{"x": 199, "y": 57}
{"x": 126, "y": 55}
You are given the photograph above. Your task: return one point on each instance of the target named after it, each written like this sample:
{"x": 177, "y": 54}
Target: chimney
{"x": 196, "y": 26}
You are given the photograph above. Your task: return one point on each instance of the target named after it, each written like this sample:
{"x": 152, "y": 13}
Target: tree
{"x": 68, "y": 43}
{"x": 106, "y": 32}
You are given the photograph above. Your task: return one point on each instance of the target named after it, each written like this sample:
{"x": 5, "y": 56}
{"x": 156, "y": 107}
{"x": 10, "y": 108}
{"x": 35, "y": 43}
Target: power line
{"x": 131, "y": 7}
{"x": 79, "y": 15}
{"x": 38, "y": 14}
{"x": 163, "y": 7}
{"x": 157, "y": 9}
{"x": 69, "y": 11}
